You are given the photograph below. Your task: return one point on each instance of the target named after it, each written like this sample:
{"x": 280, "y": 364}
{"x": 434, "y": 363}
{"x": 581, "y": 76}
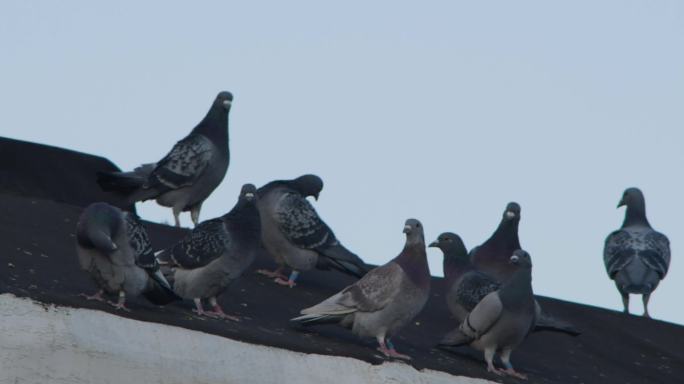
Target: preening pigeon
{"x": 188, "y": 174}
{"x": 294, "y": 234}
{"x": 114, "y": 248}
{"x": 215, "y": 254}
{"x": 492, "y": 256}
{"x": 636, "y": 256}
{"x": 465, "y": 286}
{"x": 385, "y": 299}
{"x": 502, "y": 319}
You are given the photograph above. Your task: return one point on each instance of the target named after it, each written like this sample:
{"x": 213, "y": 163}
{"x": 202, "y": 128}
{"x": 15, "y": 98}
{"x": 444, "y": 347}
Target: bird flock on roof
{"x": 488, "y": 289}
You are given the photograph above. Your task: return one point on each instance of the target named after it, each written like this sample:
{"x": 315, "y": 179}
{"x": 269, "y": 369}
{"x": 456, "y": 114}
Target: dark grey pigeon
{"x": 492, "y": 256}
{"x": 502, "y": 319}
{"x": 294, "y": 234}
{"x": 215, "y": 254}
{"x": 465, "y": 286}
{"x": 188, "y": 174}
{"x": 385, "y": 299}
{"x": 113, "y": 246}
{"x": 636, "y": 256}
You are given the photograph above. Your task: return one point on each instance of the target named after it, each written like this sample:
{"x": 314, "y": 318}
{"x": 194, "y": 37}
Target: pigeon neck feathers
{"x": 243, "y": 218}
{"x": 635, "y": 215}
{"x": 516, "y": 293}
{"x": 413, "y": 261}
{"x": 215, "y": 126}
{"x": 456, "y": 263}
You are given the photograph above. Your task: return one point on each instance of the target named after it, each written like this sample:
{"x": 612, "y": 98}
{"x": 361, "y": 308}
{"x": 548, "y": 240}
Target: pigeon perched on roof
{"x": 294, "y": 234}
{"x": 502, "y": 319}
{"x": 188, "y": 174}
{"x": 113, "y": 246}
{"x": 215, "y": 253}
{"x": 492, "y": 256}
{"x": 465, "y": 286}
{"x": 385, "y": 299}
{"x": 636, "y": 256}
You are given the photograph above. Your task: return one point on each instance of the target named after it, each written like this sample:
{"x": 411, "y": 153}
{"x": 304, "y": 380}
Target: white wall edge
{"x": 45, "y": 344}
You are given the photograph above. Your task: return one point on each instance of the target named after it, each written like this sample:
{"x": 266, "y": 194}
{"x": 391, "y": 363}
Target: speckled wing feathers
{"x": 652, "y": 247}
{"x": 473, "y": 287}
{"x": 300, "y": 223}
{"x": 207, "y": 242}
{"x": 375, "y": 290}
{"x": 184, "y": 164}
{"x": 140, "y": 243}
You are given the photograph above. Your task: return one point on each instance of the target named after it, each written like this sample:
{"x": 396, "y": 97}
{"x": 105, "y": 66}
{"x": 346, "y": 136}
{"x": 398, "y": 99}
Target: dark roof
{"x": 38, "y": 260}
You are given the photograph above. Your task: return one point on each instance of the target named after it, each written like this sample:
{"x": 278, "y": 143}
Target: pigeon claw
{"x": 514, "y": 373}
{"x": 393, "y": 354}
{"x": 285, "y": 282}
{"x": 271, "y": 274}
{"x": 96, "y": 297}
{"x": 119, "y": 306}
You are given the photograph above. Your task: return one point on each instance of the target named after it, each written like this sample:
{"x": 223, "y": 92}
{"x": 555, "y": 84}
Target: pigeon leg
{"x": 489, "y": 358}
{"x": 383, "y": 348}
{"x": 121, "y": 303}
{"x": 273, "y": 274}
{"x": 176, "y": 215}
{"x": 97, "y": 296}
{"x": 506, "y": 360}
{"x": 218, "y": 311}
{"x": 194, "y": 213}
{"x": 393, "y": 352}
{"x": 645, "y": 297}
{"x": 290, "y": 282}
{"x": 625, "y": 301}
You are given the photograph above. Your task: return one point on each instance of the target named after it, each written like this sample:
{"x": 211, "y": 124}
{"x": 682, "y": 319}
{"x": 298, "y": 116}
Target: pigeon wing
{"x": 184, "y": 164}
{"x": 207, "y": 242}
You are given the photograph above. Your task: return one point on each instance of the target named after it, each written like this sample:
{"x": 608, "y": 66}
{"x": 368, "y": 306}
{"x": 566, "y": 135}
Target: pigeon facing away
{"x": 113, "y": 246}
{"x": 294, "y": 234}
{"x": 502, "y": 319}
{"x": 215, "y": 254}
{"x": 385, "y": 299}
{"x": 465, "y": 286}
{"x": 188, "y": 174}
{"x": 636, "y": 256}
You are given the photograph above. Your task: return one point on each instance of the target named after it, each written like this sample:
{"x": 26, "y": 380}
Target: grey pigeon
{"x": 215, "y": 254}
{"x": 502, "y": 319}
{"x": 465, "y": 286}
{"x": 492, "y": 256}
{"x": 294, "y": 234}
{"x": 385, "y": 299}
{"x": 636, "y": 256}
{"x": 113, "y": 246}
{"x": 188, "y": 174}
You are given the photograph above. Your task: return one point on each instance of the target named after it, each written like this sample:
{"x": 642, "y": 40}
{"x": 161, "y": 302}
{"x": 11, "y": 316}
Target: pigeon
{"x": 188, "y": 174}
{"x": 215, "y": 254}
{"x": 492, "y": 256}
{"x": 385, "y": 299}
{"x": 636, "y": 256}
{"x": 294, "y": 234}
{"x": 113, "y": 246}
{"x": 502, "y": 319}
{"x": 465, "y": 286}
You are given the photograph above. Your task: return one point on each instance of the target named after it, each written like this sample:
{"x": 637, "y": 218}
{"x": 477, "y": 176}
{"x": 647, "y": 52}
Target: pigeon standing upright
{"x": 465, "y": 286}
{"x": 215, "y": 254}
{"x": 385, "y": 299}
{"x": 502, "y": 319}
{"x": 492, "y": 256}
{"x": 188, "y": 174}
{"x": 294, "y": 234}
{"x": 113, "y": 246}
{"x": 636, "y": 256}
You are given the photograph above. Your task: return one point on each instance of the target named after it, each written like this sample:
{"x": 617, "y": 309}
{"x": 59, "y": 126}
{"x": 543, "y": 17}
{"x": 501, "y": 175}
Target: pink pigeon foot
{"x": 119, "y": 305}
{"x": 272, "y": 274}
{"x": 392, "y": 353}
{"x": 97, "y": 296}
{"x": 285, "y": 281}
{"x": 514, "y": 373}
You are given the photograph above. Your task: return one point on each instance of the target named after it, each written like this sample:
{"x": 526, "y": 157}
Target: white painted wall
{"x": 42, "y": 344}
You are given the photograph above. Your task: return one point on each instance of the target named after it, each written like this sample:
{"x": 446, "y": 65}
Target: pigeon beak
{"x": 621, "y": 203}
{"x": 510, "y": 214}
{"x": 227, "y": 104}
{"x": 407, "y": 229}
{"x": 434, "y": 244}
{"x": 514, "y": 259}
{"x": 249, "y": 195}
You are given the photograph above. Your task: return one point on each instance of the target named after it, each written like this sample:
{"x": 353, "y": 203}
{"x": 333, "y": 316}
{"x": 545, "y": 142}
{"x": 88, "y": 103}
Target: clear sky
{"x": 443, "y": 111}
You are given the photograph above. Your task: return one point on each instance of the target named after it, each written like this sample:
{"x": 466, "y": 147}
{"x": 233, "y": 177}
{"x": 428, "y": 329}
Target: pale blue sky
{"x": 442, "y": 111}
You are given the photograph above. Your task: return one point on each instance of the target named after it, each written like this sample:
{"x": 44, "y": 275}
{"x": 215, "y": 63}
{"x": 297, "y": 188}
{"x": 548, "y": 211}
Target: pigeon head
{"x": 414, "y": 231}
{"x": 512, "y": 211}
{"x": 631, "y": 197}
{"x": 521, "y": 258}
{"x": 248, "y": 192}
{"x": 308, "y": 185}
{"x": 224, "y": 100}
{"x": 448, "y": 241}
